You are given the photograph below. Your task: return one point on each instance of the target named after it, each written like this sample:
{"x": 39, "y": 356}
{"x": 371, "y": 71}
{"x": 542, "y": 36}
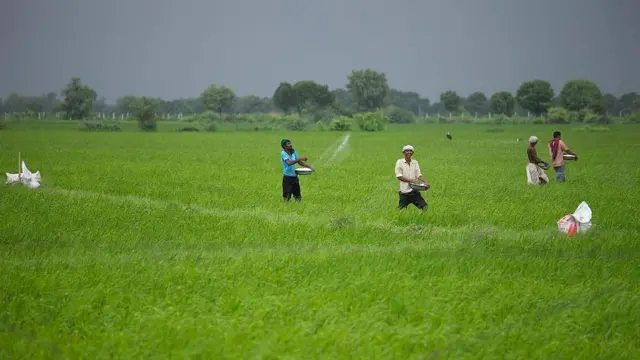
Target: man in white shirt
{"x": 407, "y": 172}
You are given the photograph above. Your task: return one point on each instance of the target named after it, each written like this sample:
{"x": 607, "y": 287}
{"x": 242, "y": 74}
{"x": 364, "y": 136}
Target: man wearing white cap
{"x": 408, "y": 172}
{"x": 535, "y": 174}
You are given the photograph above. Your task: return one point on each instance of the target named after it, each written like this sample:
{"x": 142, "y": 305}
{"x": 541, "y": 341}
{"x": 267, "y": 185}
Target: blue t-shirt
{"x": 288, "y": 170}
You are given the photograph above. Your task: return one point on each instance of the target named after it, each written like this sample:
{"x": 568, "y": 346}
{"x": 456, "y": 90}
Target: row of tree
{"x": 366, "y": 90}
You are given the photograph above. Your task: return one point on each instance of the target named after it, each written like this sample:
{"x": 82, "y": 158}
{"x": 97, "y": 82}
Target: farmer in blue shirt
{"x": 290, "y": 183}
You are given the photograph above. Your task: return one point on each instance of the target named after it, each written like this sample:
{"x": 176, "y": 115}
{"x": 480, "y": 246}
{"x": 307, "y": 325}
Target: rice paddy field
{"x": 178, "y": 245}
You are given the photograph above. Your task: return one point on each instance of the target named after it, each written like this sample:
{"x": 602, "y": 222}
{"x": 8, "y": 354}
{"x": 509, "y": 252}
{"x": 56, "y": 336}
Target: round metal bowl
{"x": 419, "y": 187}
{"x": 304, "y": 171}
{"x": 568, "y": 157}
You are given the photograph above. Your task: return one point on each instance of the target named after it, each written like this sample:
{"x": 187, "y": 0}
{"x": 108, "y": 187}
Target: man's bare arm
{"x": 404, "y": 179}
{"x": 297, "y": 161}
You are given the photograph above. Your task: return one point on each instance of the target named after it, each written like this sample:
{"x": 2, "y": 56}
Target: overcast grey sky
{"x": 176, "y": 48}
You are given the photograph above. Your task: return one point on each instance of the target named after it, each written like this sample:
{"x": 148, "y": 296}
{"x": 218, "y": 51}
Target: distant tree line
{"x": 366, "y": 90}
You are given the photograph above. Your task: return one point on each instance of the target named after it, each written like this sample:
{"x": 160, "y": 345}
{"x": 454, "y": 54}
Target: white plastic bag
{"x": 566, "y": 223}
{"x": 31, "y": 180}
{"x": 579, "y": 221}
{"x": 583, "y": 213}
{"x": 33, "y": 184}
{"x": 12, "y": 178}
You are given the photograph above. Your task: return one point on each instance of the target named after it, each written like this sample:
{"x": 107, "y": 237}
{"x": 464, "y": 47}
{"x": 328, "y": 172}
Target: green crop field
{"x": 178, "y": 245}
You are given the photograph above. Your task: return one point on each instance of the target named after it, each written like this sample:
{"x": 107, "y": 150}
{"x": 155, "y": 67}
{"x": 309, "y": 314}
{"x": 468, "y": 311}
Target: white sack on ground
{"x": 31, "y": 180}
{"x": 12, "y": 178}
{"x": 581, "y": 219}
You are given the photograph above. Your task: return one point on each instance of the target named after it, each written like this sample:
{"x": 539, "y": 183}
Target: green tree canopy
{"x": 78, "y": 100}
{"x": 285, "y": 98}
{"x": 582, "y": 94}
{"x": 368, "y": 89}
{"x": 218, "y": 98}
{"x": 535, "y": 96}
{"x": 450, "y": 100}
{"x": 502, "y": 103}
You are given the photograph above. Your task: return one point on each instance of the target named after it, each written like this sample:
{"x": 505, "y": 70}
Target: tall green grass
{"x": 177, "y": 245}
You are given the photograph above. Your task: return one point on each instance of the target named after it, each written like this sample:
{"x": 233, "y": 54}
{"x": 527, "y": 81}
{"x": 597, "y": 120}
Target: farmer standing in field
{"x": 557, "y": 148}
{"x": 535, "y": 174}
{"x": 290, "y": 181}
{"x": 408, "y": 172}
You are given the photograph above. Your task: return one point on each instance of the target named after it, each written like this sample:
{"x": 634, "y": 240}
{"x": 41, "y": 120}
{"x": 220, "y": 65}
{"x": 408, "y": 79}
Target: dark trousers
{"x": 414, "y": 198}
{"x": 291, "y": 186}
